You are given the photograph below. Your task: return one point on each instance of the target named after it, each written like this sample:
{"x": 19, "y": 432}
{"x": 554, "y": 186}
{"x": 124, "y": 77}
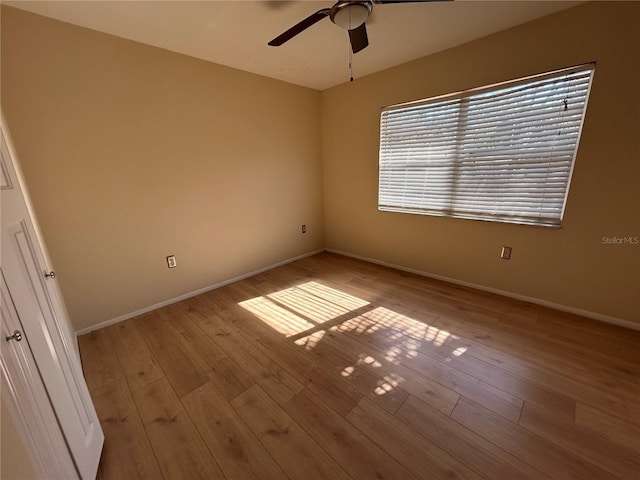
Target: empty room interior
{"x": 409, "y": 250}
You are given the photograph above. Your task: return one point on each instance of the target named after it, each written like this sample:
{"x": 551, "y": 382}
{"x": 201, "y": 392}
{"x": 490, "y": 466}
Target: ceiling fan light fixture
{"x": 350, "y": 15}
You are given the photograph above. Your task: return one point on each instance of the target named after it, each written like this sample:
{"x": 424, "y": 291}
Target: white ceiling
{"x": 235, "y": 33}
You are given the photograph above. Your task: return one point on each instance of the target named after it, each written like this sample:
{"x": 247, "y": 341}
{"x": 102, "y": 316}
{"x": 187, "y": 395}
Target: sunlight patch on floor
{"x": 302, "y": 311}
{"x": 347, "y": 371}
{"x": 459, "y": 351}
{"x": 337, "y": 297}
{"x": 297, "y": 309}
{"x": 398, "y": 326}
{"x": 406, "y": 328}
{"x": 390, "y": 382}
{"x": 369, "y": 360}
{"x": 280, "y": 319}
{"x": 360, "y": 324}
{"x": 405, "y": 333}
{"x": 311, "y": 306}
{"x": 310, "y": 341}
{"x": 440, "y": 336}
{"x": 392, "y": 354}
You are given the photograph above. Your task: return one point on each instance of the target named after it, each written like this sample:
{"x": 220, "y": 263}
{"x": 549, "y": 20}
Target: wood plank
{"x": 385, "y": 390}
{"x": 464, "y": 445}
{"x": 100, "y": 362}
{"x": 415, "y": 344}
{"x": 265, "y": 338}
{"x": 554, "y": 358}
{"x": 238, "y": 452}
{"x": 421, "y": 457}
{"x": 179, "y": 447}
{"x": 355, "y": 452}
{"x": 202, "y": 350}
{"x": 385, "y": 363}
{"x": 183, "y": 373}
{"x": 433, "y": 382}
{"x": 294, "y": 450}
{"x": 608, "y": 426}
{"x": 330, "y": 388}
{"x": 124, "y": 434}
{"x": 552, "y": 373}
{"x": 338, "y": 395}
{"x": 224, "y": 302}
{"x": 572, "y": 323}
{"x": 139, "y": 365}
{"x": 294, "y": 357}
{"x": 599, "y": 347}
{"x": 262, "y": 370}
{"x": 554, "y": 461}
{"x": 229, "y": 379}
{"x": 607, "y": 455}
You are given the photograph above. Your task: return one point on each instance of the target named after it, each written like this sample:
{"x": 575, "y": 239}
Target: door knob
{"x": 17, "y": 336}
{"x": 51, "y": 274}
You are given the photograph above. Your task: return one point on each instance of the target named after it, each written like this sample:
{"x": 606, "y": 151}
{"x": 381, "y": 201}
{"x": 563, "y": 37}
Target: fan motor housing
{"x": 350, "y": 15}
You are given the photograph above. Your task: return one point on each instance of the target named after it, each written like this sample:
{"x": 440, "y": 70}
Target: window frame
{"x": 473, "y": 94}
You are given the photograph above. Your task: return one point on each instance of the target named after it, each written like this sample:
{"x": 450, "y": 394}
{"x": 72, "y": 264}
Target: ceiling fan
{"x": 349, "y": 15}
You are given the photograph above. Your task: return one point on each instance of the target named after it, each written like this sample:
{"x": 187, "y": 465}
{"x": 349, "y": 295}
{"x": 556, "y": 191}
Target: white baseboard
{"x": 164, "y": 303}
{"x": 584, "y": 313}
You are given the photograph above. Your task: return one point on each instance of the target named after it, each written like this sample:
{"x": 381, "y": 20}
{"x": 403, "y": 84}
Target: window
{"x": 501, "y": 153}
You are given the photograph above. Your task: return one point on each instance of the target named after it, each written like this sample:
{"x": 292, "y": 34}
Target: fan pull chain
{"x": 350, "y": 52}
{"x": 350, "y": 63}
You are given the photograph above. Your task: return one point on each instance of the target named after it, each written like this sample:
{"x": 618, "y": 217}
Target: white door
{"x": 33, "y": 293}
{"x": 27, "y": 399}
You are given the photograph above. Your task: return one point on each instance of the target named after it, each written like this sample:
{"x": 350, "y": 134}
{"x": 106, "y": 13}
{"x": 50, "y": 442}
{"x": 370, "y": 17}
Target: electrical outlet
{"x": 171, "y": 261}
{"x": 304, "y": 229}
{"x": 505, "y": 254}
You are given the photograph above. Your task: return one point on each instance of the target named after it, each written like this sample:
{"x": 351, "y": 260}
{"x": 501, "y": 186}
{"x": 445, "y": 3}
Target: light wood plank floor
{"x": 333, "y": 368}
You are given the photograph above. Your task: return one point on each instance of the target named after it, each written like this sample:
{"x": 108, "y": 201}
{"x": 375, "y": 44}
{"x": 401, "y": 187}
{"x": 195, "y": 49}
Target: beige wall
{"x": 132, "y": 153}
{"x": 14, "y": 459}
{"x": 568, "y": 266}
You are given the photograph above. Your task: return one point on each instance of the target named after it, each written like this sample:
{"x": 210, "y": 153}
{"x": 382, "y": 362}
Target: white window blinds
{"x": 502, "y": 153}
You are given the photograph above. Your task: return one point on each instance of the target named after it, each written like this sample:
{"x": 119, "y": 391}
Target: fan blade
{"x": 299, "y": 27}
{"x": 359, "y": 39}
{"x": 408, "y": 1}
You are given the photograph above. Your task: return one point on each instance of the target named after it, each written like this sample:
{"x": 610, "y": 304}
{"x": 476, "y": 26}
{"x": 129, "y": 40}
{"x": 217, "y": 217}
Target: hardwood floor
{"x": 333, "y": 368}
